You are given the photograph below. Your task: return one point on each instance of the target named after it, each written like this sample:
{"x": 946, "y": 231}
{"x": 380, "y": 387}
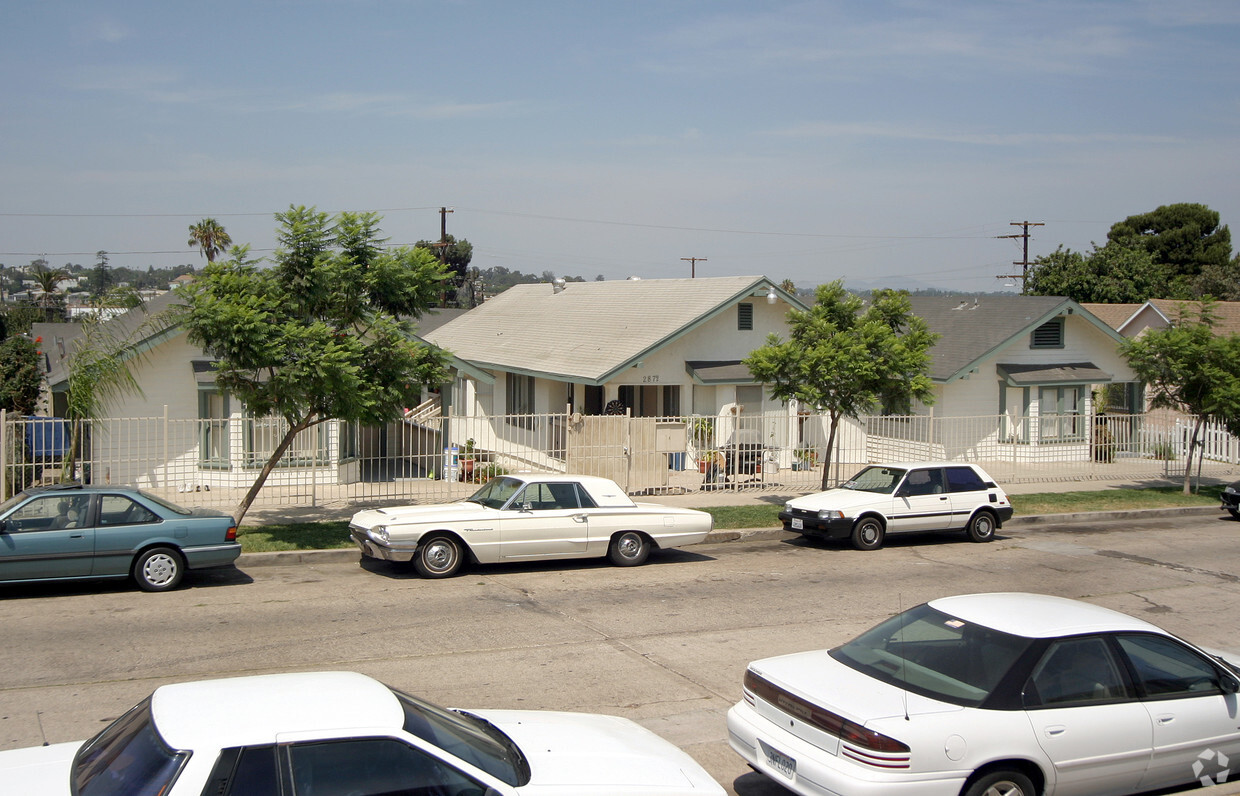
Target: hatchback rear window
{"x": 964, "y": 479}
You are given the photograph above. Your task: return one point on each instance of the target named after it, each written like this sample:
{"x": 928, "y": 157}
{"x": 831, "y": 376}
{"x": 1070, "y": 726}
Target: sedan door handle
{"x": 76, "y": 535}
{"x": 1055, "y": 730}
{"x": 1165, "y": 718}
{"x": 580, "y": 517}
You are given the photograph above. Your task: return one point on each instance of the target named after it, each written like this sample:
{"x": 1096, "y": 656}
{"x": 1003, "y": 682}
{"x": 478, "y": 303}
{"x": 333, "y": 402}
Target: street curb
{"x": 291, "y": 557}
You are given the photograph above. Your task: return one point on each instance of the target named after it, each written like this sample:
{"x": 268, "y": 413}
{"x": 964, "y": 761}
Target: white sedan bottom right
{"x": 993, "y": 695}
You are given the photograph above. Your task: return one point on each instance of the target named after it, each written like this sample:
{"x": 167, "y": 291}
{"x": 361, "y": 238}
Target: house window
{"x": 1062, "y": 413}
{"x": 263, "y": 434}
{"x": 1048, "y": 335}
{"x": 349, "y": 433}
{"x": 519, "y": 399}
{"x": 744, "y": 316}
{"x": 213, "y": 430}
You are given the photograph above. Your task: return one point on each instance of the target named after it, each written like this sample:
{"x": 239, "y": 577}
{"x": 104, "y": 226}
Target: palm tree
{"x": 49, "y": 280}
{"x": 210, "y": 238}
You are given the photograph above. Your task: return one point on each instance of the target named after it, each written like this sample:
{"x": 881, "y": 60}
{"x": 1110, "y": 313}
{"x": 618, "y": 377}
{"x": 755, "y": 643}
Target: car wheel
{"x": 438, "y": 557}
{"x": 982, "y": 527}
{"x": 158, "y": 569}
{"x": 867, "y": 534}
{"x": 1001, "y": 783}
{"x": 628, "y": 549}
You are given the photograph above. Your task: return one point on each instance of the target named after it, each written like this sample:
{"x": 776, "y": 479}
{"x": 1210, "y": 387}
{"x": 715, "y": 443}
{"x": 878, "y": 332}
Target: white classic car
{"x": 344, "y": 733}
{"x": 526, "y": 517}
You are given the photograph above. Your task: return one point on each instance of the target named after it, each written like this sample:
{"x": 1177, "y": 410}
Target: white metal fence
{"x": 438, "y": 458}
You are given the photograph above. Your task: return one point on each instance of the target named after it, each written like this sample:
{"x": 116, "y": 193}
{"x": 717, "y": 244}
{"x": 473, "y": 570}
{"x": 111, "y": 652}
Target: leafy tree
{"x": 846, "y": 359}
{"x": 321, "y": 334}
{"x": 210, "y": 238}
{"x": 1111, "y": 274}
{"x": 20, "y": 375}
{"x": 456, "y": 255}
{"x": 1190, "y": 368}
{"x": 1185, "y": 238}
{"x": 101, "y": 275}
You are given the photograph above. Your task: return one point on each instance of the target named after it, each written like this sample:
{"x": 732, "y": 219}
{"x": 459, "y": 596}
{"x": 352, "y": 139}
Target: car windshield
{"x": 496, "y": 492}
{"x": 466, "y": 736}
{"x": 875, "y": 479}
{"x": 934, "y": 654}
{"x": 127, "y": 759}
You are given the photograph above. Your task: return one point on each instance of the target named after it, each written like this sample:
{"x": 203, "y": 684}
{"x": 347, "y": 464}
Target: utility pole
{"x": 1024, "y": 261}
{"x": 693, "y": 261}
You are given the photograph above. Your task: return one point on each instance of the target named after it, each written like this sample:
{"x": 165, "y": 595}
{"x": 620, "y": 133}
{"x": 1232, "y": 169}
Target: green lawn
{"x": 331, "y": 535}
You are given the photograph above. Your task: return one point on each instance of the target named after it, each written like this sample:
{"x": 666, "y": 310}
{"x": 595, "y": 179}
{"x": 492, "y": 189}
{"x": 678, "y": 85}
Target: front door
{"x": 921, "y": 502}
{"x": 47, "y": 537}
{"x": 544, "y": 521}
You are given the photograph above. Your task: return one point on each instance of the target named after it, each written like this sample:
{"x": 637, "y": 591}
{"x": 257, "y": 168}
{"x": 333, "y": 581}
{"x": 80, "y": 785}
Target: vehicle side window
{"x": 120, "y": 510}
{"x": 584, "y": 498}
{"x": 51, "y": 513}
{"x": 964, "y": 479}
{"x": 547, "y": 497}
{"x": 241, "y": 771}
{"x": 924, "y": 482}
{"x": 373, "y": 766}
{"x": 1165, "y": 668}
{"x": 1075, "y": 671}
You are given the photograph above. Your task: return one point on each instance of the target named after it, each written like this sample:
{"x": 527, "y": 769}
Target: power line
{"x": 1024, "y": 261}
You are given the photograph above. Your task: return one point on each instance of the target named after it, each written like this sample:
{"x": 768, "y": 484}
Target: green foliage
{"x": 846, "y": 359}
{"x": 1190, "y": 368}
{"x": 324, "y": 333}
{"x": 1111, "y": 274}
{"x": 20, "y": 375}
{"x": 17, "y": 319}
{"x": 210, "y": 238}
{"x": 1185, "y": 238}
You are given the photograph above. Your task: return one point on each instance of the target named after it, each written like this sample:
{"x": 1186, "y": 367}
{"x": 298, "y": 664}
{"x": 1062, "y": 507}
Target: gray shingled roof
{"x": 590, "y": 329}
{"x": 970, "y": 328}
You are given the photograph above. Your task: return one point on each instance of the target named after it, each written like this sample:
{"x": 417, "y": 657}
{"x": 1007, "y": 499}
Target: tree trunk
{"x": 276, "y": 455}
{"x": 826, "y": 465}
{"x": 1192, "y": 449}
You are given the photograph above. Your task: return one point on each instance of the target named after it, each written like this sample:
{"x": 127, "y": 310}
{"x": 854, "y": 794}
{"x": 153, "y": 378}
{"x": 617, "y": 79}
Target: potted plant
{"x": 806, "y": 458}
{"x": 467, "y": 460}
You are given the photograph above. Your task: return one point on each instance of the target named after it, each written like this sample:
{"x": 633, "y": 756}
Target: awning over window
{"x": 726, "y": 371}
{"x": 1065, "y": 373}
{"x": 204, "y": 370}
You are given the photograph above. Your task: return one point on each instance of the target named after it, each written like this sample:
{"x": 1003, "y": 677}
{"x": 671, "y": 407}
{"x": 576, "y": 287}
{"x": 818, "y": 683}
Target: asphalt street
{"x": 664, "y": 644}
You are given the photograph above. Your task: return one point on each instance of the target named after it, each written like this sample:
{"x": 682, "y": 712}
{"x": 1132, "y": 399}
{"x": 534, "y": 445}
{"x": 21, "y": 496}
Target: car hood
{"x": 584, "y": 753}
{"x": 40, "y": 769}
{"x": 826, "y": 682}
{"x": 839, "y": 499}
{"x": 402, "y": 515}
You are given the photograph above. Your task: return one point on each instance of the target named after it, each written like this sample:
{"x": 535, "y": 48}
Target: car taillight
{"x": 848, "y": 731}
{"x": 231, "y": 535}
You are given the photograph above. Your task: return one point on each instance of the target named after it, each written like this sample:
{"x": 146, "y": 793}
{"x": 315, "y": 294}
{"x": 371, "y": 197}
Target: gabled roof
{"x": 970, "y": 329}
{"x": 1122, "y": 317}
{"x": 590, "y": 330}
{"x": 1113, "y": 315}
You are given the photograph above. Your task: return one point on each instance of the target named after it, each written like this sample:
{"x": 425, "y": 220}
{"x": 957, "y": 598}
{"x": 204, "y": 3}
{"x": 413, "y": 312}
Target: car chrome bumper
{"x": 372, "y": 549}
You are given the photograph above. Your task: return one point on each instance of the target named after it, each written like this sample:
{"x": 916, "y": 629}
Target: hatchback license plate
{"x": 797, "y": 523}
{"x": 779, "y": 761}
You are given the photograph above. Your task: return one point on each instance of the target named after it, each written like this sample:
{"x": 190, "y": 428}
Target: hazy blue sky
{"x": 887, "y": 143}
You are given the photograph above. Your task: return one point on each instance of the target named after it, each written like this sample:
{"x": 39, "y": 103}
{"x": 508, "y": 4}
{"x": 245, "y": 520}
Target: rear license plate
{"x": 797, "y": 523}
{"x": 779, "y": 761}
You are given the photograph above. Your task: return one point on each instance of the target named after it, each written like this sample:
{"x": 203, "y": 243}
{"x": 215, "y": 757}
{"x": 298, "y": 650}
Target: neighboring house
{"x": 1034, "y": 360}
{"x": 658, "y": 350}
{"x": 178, "y": 393}
{"x": 1130, "y": 320}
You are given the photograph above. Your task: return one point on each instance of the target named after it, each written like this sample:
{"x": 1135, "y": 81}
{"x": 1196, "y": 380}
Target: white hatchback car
{"x": 344, "y": 734}
{"x": 995, "y": 694}
{"x": 899, "y": 498}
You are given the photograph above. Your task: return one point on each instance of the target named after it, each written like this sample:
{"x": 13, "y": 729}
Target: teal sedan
{"x": 72, "y": 532}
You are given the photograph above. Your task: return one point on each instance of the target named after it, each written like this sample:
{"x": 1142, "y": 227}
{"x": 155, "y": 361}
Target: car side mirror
{"x": 1229, "y": 684}
{"x": 4, "y": 526}
{"x": 902, "y": 492}
{"x": 527, "y": 506}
